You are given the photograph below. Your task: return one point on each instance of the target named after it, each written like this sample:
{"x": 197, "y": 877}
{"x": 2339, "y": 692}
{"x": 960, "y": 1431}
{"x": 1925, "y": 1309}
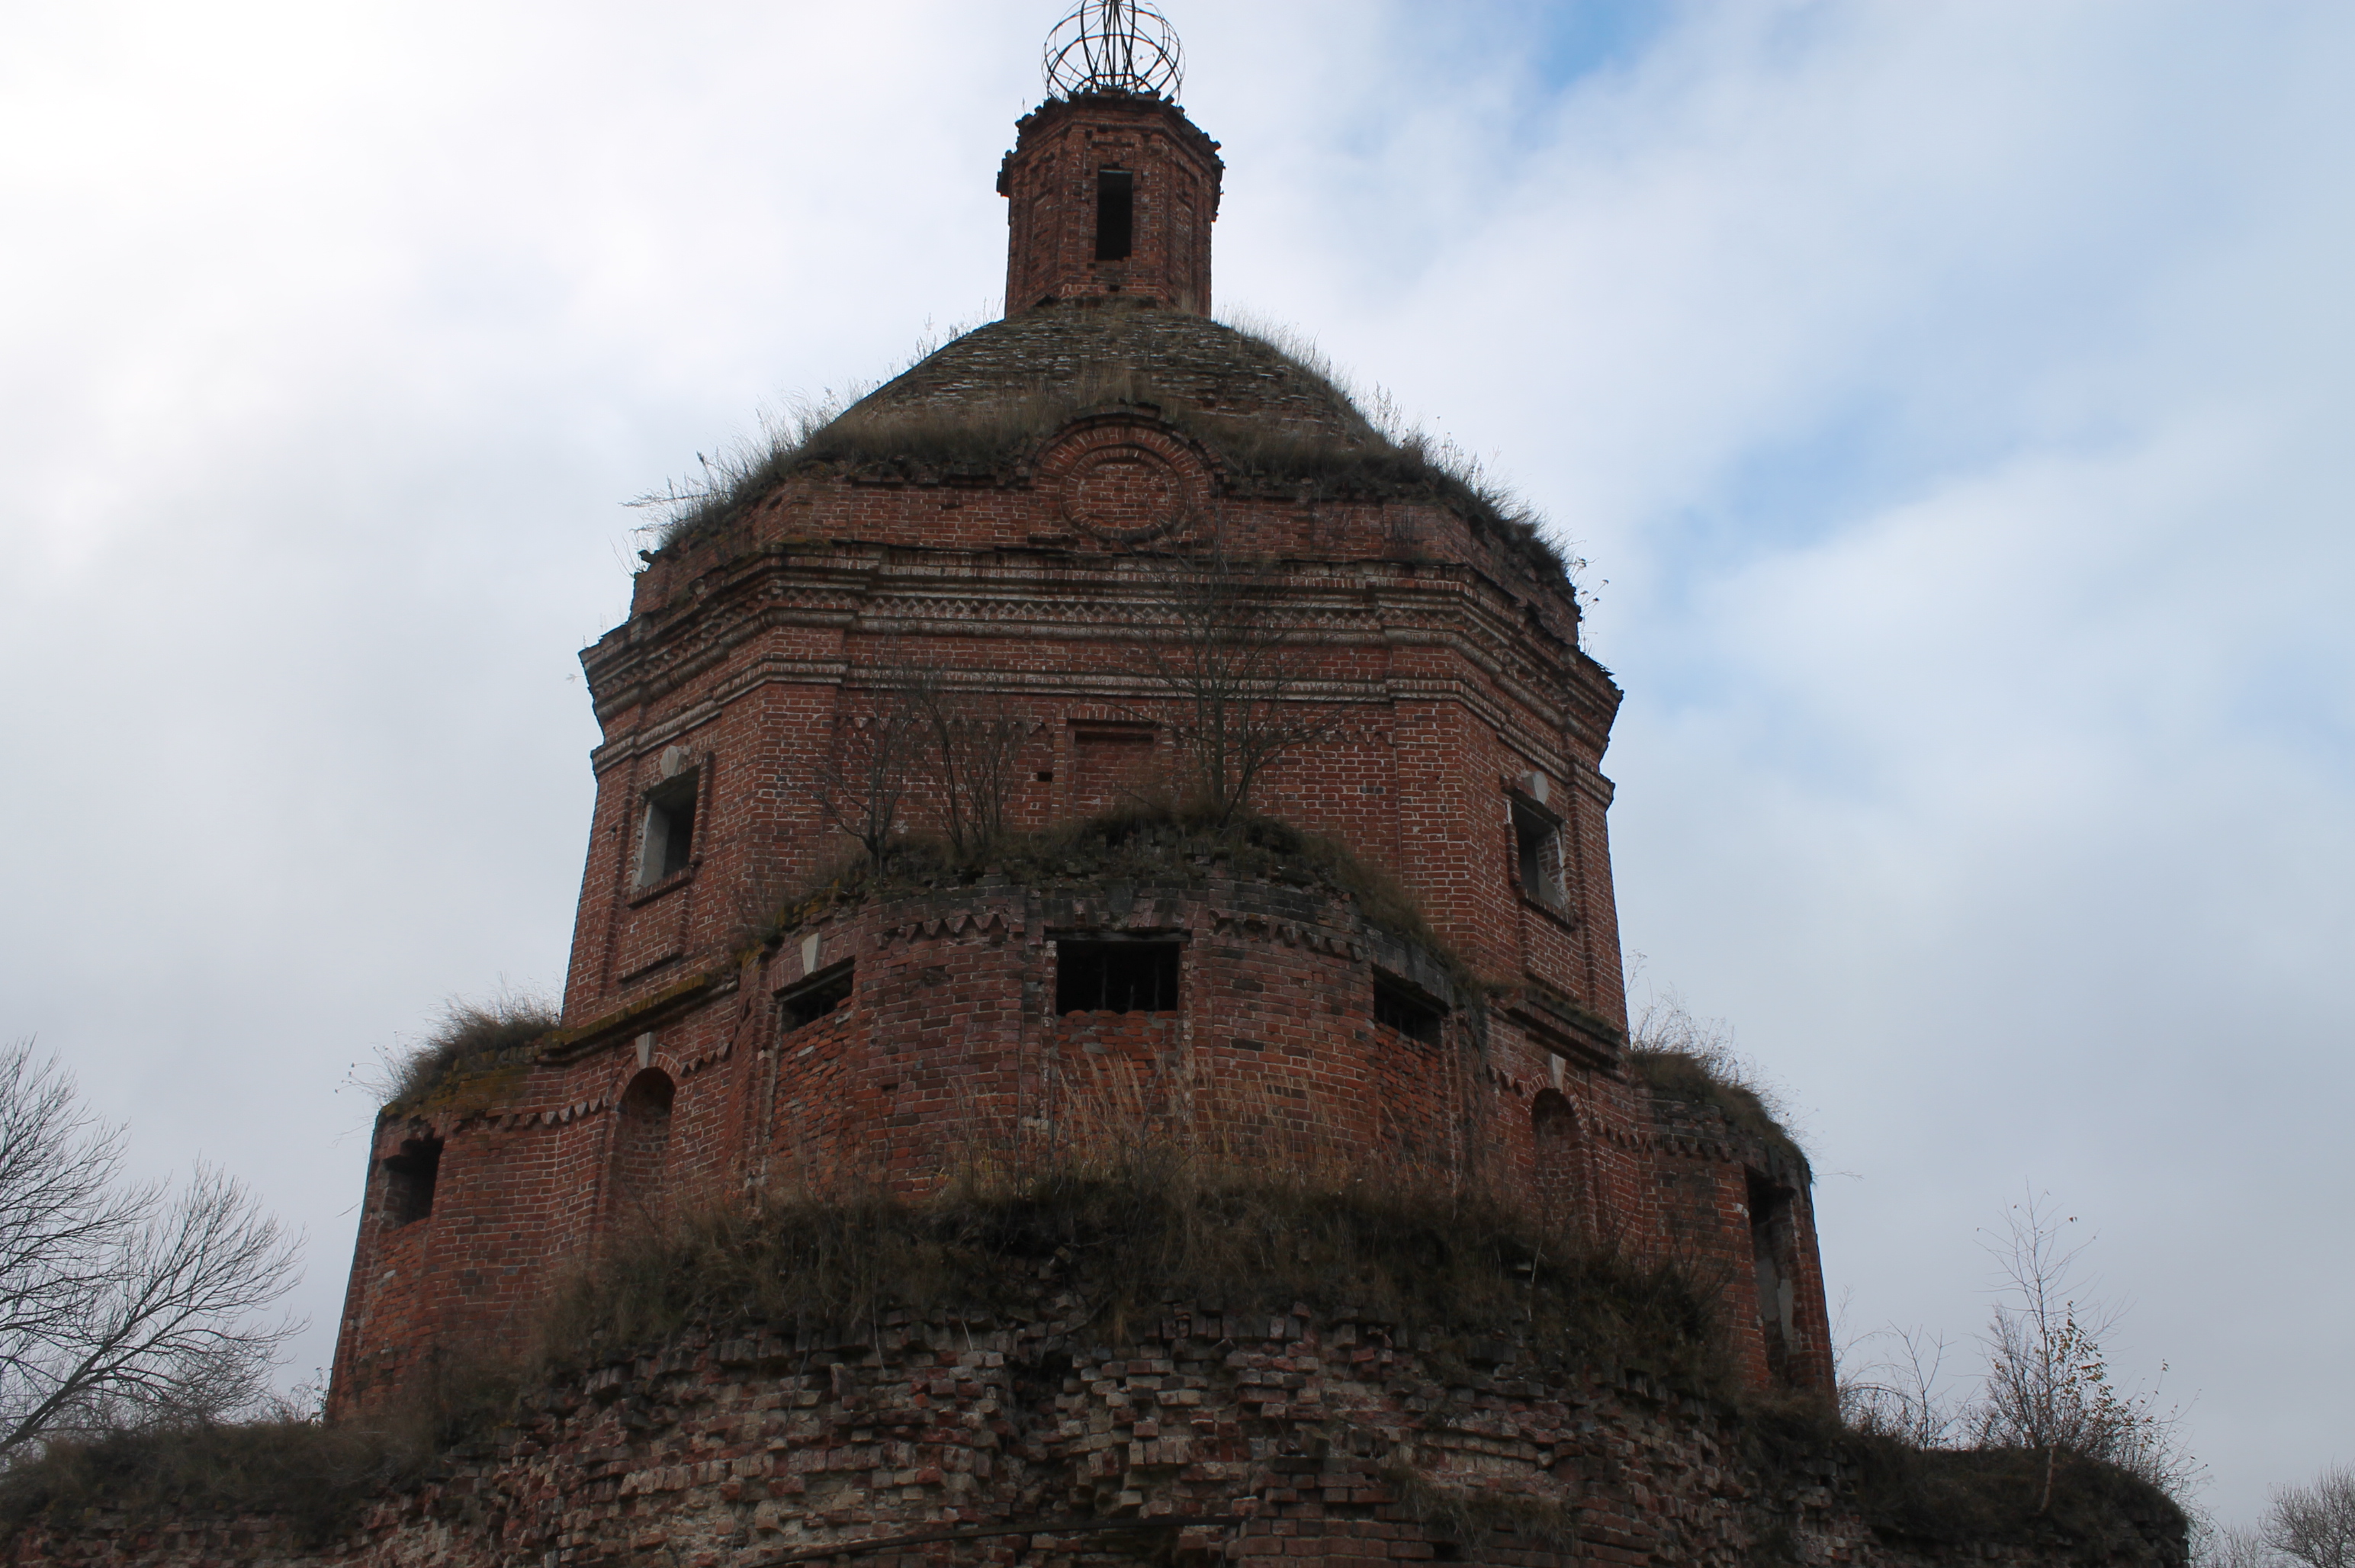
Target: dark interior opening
{"x": 410, "y": 1177}
{"x": 1773, "y": 1253}
{"x": 816, "y": 998}
{"x": 1401, "y": 1007}
{"x": 1115, "y": 214}
{"x": 649, "y": 1097}
{"x": 1116, "y": 977}
{"x": 1533, "y": 850}
{"x": 670, "y": 830}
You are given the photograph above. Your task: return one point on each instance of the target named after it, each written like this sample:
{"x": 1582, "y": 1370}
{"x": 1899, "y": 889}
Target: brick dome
{"x": 1182, "y": 361}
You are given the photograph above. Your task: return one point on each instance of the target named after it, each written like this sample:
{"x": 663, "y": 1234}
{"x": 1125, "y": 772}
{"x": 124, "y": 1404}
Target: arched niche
{"x": 642, "y": 1144}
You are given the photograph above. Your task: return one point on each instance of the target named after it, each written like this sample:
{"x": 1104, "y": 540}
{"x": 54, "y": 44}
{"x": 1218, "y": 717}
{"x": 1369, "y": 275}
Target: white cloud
{"x": 1951, "y": 394}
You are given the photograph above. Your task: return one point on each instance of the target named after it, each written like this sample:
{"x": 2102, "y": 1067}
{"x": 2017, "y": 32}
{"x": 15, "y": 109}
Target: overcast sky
{"x": 1943, "y": 395}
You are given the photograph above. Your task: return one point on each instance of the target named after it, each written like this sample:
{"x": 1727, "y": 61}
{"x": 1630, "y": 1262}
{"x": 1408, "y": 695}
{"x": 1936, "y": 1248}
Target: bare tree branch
{"x": 2316, "y": 1523}
{"x": 863, "y": 779}
{"x": 2047, "y": 1383}
{"x": 978, "y": 745}
{"x": 1897, "y": 1396}
{"x": 118, "y": 1304}
{"x": 1233, "y": 657}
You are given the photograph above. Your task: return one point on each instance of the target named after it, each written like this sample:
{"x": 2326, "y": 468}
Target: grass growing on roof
{"x": 1681, "y": 1057}
{"x": 990, "y": 434}
{"x": 469, "y": 1038}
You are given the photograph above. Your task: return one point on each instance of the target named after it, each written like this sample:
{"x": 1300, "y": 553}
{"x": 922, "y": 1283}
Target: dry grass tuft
{"x": 989, "y": 438}
{"x": 1966, "y": 1498}
{"x": 1684, "y": 1058}
{"x": 315, "y": 1477}
{"x": 470, "y": 1038}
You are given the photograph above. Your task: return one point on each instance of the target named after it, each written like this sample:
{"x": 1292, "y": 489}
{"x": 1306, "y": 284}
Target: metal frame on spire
{"x": 1115, "y": 46}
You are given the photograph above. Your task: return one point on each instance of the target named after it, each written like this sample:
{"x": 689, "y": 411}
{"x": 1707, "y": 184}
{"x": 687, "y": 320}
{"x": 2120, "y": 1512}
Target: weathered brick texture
{"x": 1212, "y": 1435}
{"x": 1458, "y": 717}
{"x": 1052, "y": 181}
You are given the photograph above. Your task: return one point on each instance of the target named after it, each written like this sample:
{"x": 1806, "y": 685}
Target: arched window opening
{"x": 642, "y": 1142}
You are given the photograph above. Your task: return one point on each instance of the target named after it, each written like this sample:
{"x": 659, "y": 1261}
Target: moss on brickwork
{"x": 1353, "y": 1340}
{"x": 1473, "y": 1281}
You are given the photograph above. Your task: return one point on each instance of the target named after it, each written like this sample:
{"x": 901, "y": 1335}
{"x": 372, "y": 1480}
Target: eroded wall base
{"x": 1217, "y": 1439}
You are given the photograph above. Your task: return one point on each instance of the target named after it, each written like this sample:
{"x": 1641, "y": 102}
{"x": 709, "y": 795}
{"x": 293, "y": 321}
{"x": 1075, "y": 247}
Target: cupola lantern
{"x": 1111, "y": 190}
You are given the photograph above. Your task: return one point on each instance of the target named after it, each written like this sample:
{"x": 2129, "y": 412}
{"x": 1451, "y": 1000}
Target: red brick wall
{"x": 1439, "y": 657}
{"x": 1050, "y": 183}
{"x": 949, "y": 1057}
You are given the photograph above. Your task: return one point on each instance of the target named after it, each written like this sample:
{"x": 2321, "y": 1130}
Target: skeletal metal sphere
{"x": 1114, "y": 46}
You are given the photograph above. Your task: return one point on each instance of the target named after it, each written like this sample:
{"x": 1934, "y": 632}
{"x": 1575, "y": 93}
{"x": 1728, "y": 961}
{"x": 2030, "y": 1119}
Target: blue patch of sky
{"x": 1792, "y": 494}
{"x": 1574, "y": 38}
{"x": 1544, "y": 48}
{"x": 2295, "y": 699}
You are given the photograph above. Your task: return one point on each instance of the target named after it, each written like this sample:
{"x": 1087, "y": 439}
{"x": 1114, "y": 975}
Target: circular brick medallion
{"x": 1123, "y": 494}
{"x": 1124, "y": 482}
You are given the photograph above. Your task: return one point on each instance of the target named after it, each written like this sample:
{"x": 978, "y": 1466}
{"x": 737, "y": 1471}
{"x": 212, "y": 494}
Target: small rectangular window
{"x": 816, "y": 998}
{"x": 1116, "y": 977}
{"x": 1115, "y": 214}
{"x": 1406, "y": 1009}
{"x": 410, "y": 1178}
{"x": 1537, "y": 854}
{"x": 669, "y": 844}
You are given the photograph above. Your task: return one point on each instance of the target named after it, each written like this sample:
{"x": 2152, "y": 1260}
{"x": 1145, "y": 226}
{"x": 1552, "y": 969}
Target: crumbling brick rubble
{"x": 1204, "y": 1437}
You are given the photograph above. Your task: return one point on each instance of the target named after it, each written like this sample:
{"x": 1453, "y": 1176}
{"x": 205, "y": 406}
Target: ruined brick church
{"x": 1019, "y": 518}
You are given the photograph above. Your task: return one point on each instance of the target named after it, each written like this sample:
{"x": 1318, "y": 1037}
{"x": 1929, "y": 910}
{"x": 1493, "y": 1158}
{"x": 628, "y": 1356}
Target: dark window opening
{"x": 1116, "y": 977}
{"x": 1535, "y": 852}
{"x": 1400, "y": 1006}
{"x": 649, "y": 1097}
{"x": 669, "y": 841}
{"x": 410, "y": 1177}
{"x": 1115, "y": 214}
{"x": 816, "y": 998}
